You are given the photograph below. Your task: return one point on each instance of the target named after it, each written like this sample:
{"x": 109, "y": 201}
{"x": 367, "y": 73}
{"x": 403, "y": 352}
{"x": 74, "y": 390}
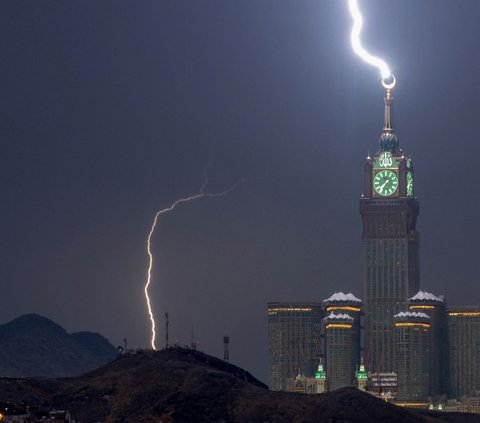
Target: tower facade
{"x": 390, "y": 240}
{"x": 435, "y": 308}
{"x": 338, "y": 340}
{"x": 294, "y": 341}
{"x": 341, "y": 303}
{"x": 412, "y": 335}
{"x": 463, "y": 351}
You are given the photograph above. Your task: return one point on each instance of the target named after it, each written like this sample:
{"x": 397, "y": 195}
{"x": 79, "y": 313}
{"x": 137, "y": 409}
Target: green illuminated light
{"x": 320, "y": 374}
{"x": 361, "y": 374}
{"x": 385, "y": 161}
{"x": 410, "y": 184}
{"x": 385, "y": 182}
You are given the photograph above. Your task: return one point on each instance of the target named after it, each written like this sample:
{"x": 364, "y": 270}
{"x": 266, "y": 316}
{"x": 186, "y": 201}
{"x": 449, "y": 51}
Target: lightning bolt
{"x": 201, "y": 194}
{"x": 357, "y": 45}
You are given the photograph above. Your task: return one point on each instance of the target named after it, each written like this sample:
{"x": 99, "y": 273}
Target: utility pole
{"x": 226, "y": 354}
{"x": 166, "y": 330}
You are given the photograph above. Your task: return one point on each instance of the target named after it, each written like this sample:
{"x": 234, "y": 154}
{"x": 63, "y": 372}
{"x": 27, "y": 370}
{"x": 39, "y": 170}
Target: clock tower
{"x": 389, "y": 211}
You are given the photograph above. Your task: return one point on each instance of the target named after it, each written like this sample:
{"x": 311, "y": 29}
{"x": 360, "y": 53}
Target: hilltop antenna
{"x": 166, "y": 330}
{"x": 193, "y": 344}
{"x": 226, "y": 354}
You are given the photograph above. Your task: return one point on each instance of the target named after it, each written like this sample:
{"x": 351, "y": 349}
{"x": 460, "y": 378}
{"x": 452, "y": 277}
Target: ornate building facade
{"x": 389, "y": 213}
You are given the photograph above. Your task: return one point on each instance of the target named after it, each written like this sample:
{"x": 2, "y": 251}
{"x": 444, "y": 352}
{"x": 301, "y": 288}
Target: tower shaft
{"x": 390, "y": 244}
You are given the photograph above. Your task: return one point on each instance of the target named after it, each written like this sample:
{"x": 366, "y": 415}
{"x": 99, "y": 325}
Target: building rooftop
{"x": 341, "y": 297}
{"x": 411, "y": 315}
{"x": 422, "y": 296}
{"x": 338, "y": 317}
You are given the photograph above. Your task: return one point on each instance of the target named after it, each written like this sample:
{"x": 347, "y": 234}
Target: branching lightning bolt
{"x": 201, "y": 194}
{"x": 357, "y": 45}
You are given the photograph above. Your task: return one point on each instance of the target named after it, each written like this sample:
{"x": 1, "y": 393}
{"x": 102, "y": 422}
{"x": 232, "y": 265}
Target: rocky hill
{"x": 32, "y": 345}
{"x": 185, "y": 386}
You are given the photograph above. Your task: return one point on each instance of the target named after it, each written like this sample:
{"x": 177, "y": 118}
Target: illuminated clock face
{"x": 410, "y": 184}
{"x": 385, "y": 183}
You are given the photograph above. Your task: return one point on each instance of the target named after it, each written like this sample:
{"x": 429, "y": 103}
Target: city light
{"x": 288, "y": 309}
{"x": 465, "y": 314}
{"x": 338, "y": 326}
{"x": 411, "y": 324}
{"x": 330, "y": 308}
{"x": 421, "y": 306}
{"x": 412, "y": 404}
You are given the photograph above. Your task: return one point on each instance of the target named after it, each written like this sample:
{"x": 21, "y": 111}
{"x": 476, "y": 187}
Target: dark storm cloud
{"x": 109, "y": 111}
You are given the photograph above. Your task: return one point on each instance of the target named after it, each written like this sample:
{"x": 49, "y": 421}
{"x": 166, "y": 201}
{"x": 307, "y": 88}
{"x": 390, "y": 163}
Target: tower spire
{"x": 388, "y": 115}
{"x": 388, "y": 139}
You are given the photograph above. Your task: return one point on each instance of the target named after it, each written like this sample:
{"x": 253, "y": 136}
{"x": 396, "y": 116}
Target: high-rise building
{"x": 463, "y": 351}
{"x": 412, "y": 333}
{"x": 435, "y": 307}
{"x": 341, "y": 303}
{"x": 294, "y": 341}
{"x": 338, "y": 344}
{"x": 389, "y": 213}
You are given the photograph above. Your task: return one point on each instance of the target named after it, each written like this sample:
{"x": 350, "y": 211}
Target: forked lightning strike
{"x": 201, "y": 194}
{"x": 357, "y": 45}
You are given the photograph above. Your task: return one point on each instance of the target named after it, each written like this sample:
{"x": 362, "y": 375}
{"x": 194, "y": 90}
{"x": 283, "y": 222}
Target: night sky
{"x": 111, "y": 109}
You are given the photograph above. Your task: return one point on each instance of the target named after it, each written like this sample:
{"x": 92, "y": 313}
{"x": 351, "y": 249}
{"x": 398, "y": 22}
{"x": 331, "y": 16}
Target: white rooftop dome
{"x": 341, "y": 297}
{"x": 412, "y": 315}
{"x": 333, "y": 316}
{"x": 426, "y": 296}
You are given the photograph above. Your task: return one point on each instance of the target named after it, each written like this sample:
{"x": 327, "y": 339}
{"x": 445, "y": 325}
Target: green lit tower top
{"x": 361, "y": 372}
{"x": 321, "y": 379}
{"x": 320, "y": 373}
{"x": 361, "y": 377}
{"x": 389, "y": 213}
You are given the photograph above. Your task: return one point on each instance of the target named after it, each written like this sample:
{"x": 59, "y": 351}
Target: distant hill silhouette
{"x": 186, "y": 386}
{"x": 32, "y": 346}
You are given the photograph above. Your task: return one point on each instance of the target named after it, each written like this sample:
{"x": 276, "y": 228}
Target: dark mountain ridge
{"x": 186, "y": 386}
{"x": 34, "y": 346}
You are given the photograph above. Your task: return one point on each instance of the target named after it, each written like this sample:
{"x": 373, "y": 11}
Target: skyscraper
{"x": 341, "y": 303}
{"x": 389, "y": 213}
{"x": 412, "y": 335}
{"x": 338, "y": 340}
{"x": 294, "y": 341}
{"x": 435, "y": 307}
{"x": 463, "y": 351}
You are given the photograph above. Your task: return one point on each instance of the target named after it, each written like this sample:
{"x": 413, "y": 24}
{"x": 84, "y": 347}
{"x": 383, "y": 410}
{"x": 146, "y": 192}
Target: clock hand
{"x": 385, "y": 183}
